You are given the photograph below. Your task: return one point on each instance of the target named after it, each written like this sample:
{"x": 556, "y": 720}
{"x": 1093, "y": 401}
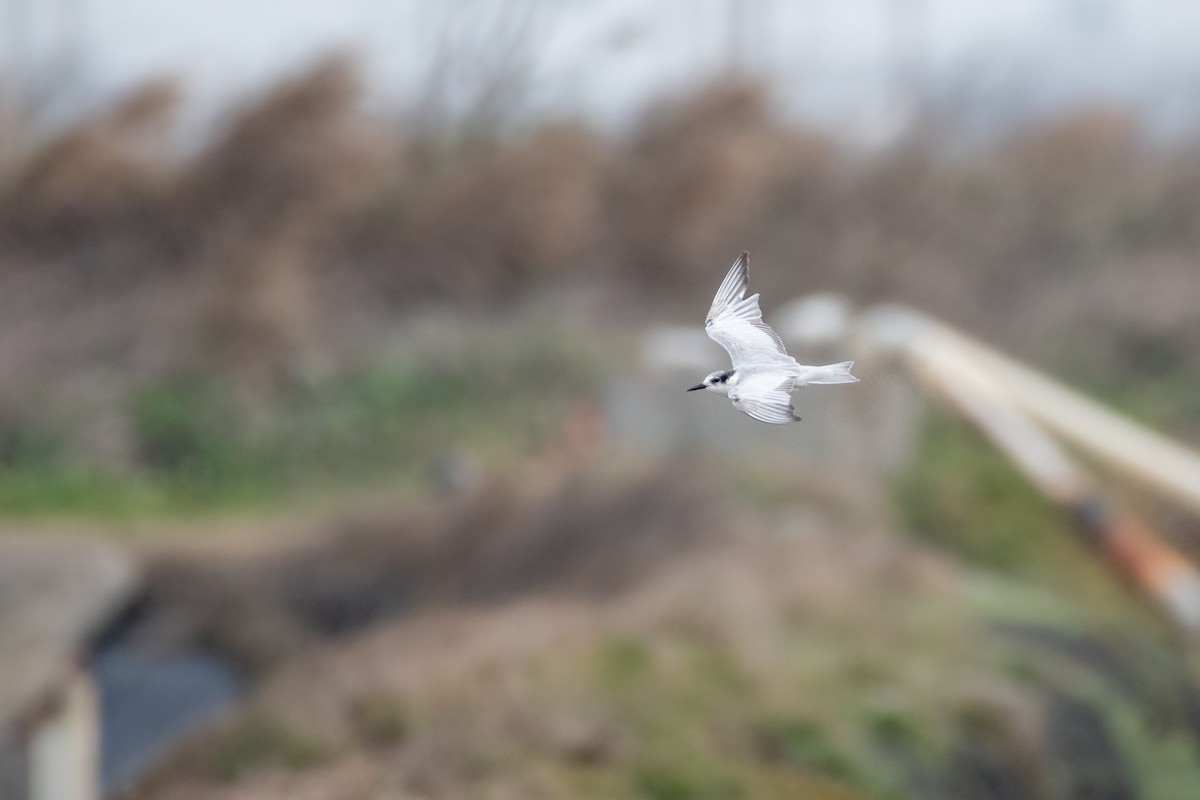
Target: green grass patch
{"x": 693, "y": 778}
{"x": 622, "y": 661}
{"x": 893, "y": 729}
{"x": 962, "y": 495}
{"x": 262, "y": 742}
{"x": 199, "y": 449}
{"x": 803, "y": 744}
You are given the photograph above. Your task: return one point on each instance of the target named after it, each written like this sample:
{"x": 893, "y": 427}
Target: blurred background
{"x": 341, "y": 330}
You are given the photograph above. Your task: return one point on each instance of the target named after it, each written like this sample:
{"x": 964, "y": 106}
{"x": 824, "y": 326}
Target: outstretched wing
{"x": 765, "y": 397}
{"x": 735, "y": 322}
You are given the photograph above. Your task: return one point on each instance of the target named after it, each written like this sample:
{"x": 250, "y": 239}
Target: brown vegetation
{"x": 651, "y": 637}
{"x": 308, "y": 226}
{"x": 575, "y": 536}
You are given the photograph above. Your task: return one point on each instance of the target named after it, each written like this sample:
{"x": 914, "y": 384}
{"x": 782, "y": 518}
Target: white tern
{"x": 763, "y": 374}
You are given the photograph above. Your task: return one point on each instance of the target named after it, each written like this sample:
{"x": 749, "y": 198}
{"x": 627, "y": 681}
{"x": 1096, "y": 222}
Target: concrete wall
{"x": 56, "y": 595}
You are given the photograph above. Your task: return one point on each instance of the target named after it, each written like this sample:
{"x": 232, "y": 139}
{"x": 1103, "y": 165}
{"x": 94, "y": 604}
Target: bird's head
{"x": 717, "y": 382}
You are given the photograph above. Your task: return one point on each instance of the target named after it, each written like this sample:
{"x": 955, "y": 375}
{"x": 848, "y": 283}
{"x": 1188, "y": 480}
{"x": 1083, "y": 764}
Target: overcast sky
{"x": 850, "y": 63}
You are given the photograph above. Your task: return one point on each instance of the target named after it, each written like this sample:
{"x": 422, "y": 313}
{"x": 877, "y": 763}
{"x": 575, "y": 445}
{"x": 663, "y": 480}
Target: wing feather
{"x": 765, "y": 399}
{"x": 735, "y": 322}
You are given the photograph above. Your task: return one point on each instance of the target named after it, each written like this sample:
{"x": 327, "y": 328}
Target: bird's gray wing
{"x": 735, "y": 322}
{"x": 765, "y": 398}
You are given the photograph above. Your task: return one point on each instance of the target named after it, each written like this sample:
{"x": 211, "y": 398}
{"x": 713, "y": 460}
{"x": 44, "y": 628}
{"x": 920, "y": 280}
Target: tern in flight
{"x": 763, "y": 374}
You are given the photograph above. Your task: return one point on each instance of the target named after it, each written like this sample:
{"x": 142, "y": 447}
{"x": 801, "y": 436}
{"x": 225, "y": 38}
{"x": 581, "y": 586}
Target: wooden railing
{"x": 1018, "y": 409}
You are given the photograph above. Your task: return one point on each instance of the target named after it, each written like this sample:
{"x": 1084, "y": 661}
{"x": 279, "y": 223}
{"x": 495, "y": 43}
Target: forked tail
{"x": 830, "y": 373}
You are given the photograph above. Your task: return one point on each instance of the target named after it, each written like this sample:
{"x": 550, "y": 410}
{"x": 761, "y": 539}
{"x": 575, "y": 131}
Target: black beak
{"x": 697, "y": 386}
